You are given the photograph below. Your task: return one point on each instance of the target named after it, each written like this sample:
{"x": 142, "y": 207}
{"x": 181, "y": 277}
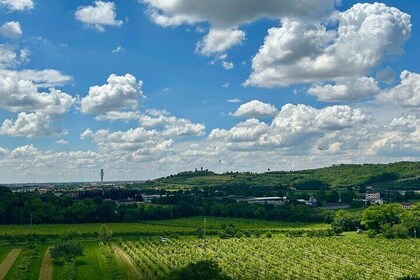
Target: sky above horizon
{"x": 148, "y": 88}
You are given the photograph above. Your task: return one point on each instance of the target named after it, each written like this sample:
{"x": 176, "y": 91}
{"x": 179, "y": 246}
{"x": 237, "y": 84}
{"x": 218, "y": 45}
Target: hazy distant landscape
{"x": 237, "y": 225}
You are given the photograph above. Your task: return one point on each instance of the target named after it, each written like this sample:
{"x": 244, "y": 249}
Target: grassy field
{"x": 180, "y": 226}
{"x": 28, "y": 263}
{"x": 250, "y": 224}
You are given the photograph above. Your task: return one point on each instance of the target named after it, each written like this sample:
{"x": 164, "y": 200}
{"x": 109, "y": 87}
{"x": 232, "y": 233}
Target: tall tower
{"x": 102, "y": 176}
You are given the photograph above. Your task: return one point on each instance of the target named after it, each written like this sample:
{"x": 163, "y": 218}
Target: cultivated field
{"x": 349, "y": 256}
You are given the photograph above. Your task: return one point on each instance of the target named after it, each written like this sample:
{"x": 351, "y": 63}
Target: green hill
{"x": 394, "y": 175}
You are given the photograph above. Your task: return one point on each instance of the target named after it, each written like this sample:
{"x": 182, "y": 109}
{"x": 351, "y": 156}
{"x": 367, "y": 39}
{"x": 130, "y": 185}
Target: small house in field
{"x": 407, "y": 205}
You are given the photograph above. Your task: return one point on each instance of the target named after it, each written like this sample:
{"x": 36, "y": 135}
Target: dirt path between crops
{"x": 126, "y": 263}
{"x": 47, "y": 266}
{"x": 8, "y": 262}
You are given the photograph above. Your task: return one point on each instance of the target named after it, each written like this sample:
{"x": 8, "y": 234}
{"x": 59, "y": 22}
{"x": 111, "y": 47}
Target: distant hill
{"x": 405, "y": 175}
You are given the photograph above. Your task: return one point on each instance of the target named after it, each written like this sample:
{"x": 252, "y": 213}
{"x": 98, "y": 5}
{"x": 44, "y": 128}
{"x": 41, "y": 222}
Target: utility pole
{"x": 205, "y": 228}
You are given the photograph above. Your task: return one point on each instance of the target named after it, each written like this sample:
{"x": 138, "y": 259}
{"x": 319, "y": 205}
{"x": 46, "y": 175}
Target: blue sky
{"x": 146, "y": 88}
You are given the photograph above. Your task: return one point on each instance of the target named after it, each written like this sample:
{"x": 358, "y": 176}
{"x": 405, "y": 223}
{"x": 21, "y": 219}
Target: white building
{"x": 372, "y": 196}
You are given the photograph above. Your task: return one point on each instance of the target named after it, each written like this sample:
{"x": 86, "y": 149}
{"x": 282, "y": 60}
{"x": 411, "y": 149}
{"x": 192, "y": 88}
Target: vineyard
{"x": 161, "y": 249}
{"x": 350, "y": 257}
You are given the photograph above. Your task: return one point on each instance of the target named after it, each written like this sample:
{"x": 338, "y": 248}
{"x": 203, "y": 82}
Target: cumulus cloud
{"x": 29, "y": 125}
{"x": 400, "y": 138}
{"x": 346, "y": 89}
{"x": 301, "y": 52}
{"x": 224, "y": 13}
{"x": 406, "y": 94}
{"x": 119, "y": 94}
{"x": 44, "y": 78}
{"x": 219, "y": 41}
{"x": 118, "y": 116}
{"x": 22, "y": 95}
{"x": 292, "y": 126}
{"x": 153, "y": 139}
{"x": 171, "y": 125}
{"x": 138, "y": 141}
{"x": 98, "y": 15}
{"x": 8, "y": 56}
{"x": 225, "y": 17}
{"x": 17, "y": 5}
{"x": 255, "y": 109}
{"x": 11, "y": 29}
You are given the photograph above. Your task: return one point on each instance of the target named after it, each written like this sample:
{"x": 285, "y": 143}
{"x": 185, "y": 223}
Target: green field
{"x": 175, "y": 226}
{"x": 350, "y": 256}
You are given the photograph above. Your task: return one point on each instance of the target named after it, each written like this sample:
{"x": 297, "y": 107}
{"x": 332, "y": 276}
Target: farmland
{"x": 349, "y": 257}
{"x": 137, "y": 251}
{"x": 150, "y": 228}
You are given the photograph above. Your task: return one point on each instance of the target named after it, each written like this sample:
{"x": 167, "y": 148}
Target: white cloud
{"x": 123, "y": 153}
{"x": 406, "y": 94}
{"x": 175, "y": 127}
{"x": 247, "y": 131}
{"x": 62, "y": 142}
{"x": 293, "y": 126}
{"x": 228, "y": 65}
{"x": 234, "y": 100}
{"x": 401, "y": 137}
{"x": 121, "y": 93}
{"x": 30, "y": 125}
{"x": 23, "y": 95}
{"x": 225, "y": 13}
{"x": 300, "y": 52}
{"x": 8, "y": 56}
{"x": 115, "y": 116}
{"x": 346, "y": 89}
{"x": 99, "y": 15}
{"x": 17, "y": 5}
{"x": 11, "y": 29}
{"x": 226, "y": 85}
{"x": 255, "y": 109}
{"x": 117, "y": 50}
{"x": 3, "y": 151}
{"x": 172, "y": 126}
{"x": 219, "y": 41}
{"x": 44, "y": 78}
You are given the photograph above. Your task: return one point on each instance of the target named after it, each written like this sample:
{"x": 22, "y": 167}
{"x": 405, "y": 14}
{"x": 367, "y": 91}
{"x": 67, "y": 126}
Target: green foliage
{"x": 105, "y": 234}
{"x": 203, "y": 270}
{"x": 391, "y": 220}
{"x": 230, "y": 230}
{"x": 111, "y": 262}
{"x": 400, "y": 174}
{"x": 66, "y": 250}
{"x": 28, "y": 259}
{"x": 69, "y": 271}
{"x": 346, "y": 221}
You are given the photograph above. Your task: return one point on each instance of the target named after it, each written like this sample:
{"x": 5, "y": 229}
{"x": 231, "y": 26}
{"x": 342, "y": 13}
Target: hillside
{"x": 393, "y": 175}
